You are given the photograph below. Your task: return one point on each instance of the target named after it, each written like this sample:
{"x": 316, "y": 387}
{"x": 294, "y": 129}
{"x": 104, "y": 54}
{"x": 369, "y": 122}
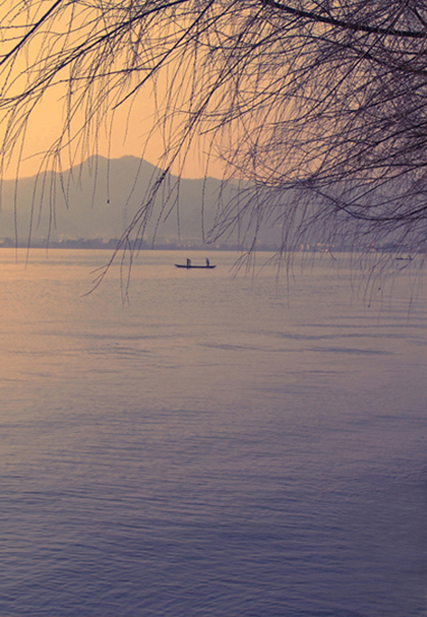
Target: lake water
{"x": 223, "y": 446}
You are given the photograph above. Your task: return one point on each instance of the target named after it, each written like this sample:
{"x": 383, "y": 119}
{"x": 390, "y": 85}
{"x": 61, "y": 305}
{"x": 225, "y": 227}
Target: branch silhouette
{"x": 317, "y": 108}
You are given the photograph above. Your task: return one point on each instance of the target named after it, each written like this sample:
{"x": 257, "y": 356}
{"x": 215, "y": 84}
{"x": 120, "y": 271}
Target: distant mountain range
{"x": 97, "y": 200}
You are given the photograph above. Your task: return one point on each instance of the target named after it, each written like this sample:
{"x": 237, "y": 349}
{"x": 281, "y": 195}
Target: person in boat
{"x": 188, "y": 263}
{"x": 208, "y": 263}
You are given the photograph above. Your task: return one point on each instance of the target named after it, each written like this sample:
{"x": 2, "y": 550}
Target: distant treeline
{"x": 112, "y": 244}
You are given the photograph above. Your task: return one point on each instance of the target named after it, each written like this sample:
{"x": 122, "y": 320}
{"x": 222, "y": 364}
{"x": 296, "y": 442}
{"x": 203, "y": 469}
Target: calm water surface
{"x": 217, "y": 448}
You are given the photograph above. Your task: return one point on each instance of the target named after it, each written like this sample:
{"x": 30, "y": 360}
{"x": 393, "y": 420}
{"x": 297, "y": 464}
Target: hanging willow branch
{"x": 317, "y": 107}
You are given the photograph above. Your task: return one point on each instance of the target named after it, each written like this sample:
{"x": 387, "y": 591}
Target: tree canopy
{"x": 318, "y": 107}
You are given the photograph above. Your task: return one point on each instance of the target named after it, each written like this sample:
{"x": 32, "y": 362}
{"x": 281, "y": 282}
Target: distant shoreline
{"x": 111, "y": 245}
{"x": 98, "y": 244}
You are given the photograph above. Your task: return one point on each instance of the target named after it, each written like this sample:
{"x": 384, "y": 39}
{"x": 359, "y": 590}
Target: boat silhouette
{"x": 191, "y": 266}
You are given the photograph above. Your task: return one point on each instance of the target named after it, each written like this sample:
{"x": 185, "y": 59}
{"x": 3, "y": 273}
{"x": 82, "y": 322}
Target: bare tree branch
{"x": 318, "y": 107}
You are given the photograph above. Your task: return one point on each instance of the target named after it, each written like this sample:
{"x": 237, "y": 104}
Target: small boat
{"x": 190, "y": 266}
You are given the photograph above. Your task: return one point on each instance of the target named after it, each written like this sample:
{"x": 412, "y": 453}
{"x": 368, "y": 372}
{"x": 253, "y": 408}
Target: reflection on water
{"x": 218, "y": 447}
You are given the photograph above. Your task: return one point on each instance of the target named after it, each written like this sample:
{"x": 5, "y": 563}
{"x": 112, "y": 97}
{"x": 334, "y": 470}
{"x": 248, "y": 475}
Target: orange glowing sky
{"x": 133, "y": 121}
{"x": 129, "y": 137}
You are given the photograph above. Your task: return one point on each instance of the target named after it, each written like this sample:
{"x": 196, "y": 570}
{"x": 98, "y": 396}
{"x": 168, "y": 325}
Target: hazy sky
{"x": 133, "y": 122}
{"x": 129, "y": 137}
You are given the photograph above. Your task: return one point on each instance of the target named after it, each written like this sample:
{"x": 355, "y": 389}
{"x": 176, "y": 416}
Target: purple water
{"x": 223, "y": 446}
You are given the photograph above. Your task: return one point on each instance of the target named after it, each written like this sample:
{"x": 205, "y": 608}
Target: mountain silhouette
{"x": 99, "y": 198}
